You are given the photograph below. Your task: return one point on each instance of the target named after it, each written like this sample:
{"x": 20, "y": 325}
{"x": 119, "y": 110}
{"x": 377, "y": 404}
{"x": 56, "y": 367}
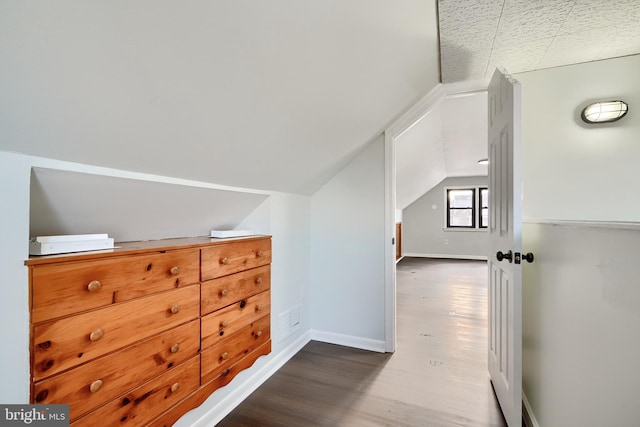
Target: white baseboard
{"x": 446, "y": 256}
{"x": 216, "y": 413}
{"x": 529, "y": 417}
{"x": 348, "y": 341}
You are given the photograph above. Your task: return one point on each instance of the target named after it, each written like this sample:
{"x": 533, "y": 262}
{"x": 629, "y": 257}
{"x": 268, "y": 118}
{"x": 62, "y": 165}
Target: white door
{"x": 505, "y": 270}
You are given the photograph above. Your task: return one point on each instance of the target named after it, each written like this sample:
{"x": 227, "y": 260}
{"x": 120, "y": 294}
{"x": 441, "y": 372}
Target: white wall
{"x": 347, "y": 254}
{"x": 580, "y": 325}
{"x": 581, "y": 298}
{"x": 572, "y": 170}
{"x": 286, "y": 217}
{"x": 423, "y": 228}
{"x": 14, "y": 292}
{"x": 64, "y": 202}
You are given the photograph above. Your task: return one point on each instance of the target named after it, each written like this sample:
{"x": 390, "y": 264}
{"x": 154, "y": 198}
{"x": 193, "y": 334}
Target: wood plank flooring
{"x": 437, "y": 377}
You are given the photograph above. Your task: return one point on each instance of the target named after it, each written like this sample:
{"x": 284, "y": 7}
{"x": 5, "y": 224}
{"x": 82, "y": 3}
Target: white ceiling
{"x": 276, "y": 95}
{"x": 527, "y": 35}
{"x": 447, "y": 142}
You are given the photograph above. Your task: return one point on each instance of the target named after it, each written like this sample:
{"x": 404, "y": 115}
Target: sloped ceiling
{"x": 447, "y": 142}
{"x": 526, "y": 35}
{"x": 63, "y": 202}
{"x": 276, "y": 95}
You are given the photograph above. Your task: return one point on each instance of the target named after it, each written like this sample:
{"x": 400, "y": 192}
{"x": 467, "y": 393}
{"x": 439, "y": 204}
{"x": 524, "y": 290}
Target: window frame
{"x": 481, "y": 223}
{"x": 476, "y": 208}
{"x": 451, "y": 208}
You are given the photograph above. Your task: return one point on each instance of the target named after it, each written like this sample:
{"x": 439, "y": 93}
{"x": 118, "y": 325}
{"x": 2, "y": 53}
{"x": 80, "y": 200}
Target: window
{"x": 467, "y": 207}
{"x": 484, "y": 207}
{"x": 461, "y": 208}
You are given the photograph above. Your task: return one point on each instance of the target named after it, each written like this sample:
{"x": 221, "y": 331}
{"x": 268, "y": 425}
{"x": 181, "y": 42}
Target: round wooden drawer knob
{"x": 224, "y": 261}
{"x": 225, "y": 372}
{"x": 259, "y": 308}
{"x": 175, "y": 387}
{"x": 96, "y": 335}
{"x": 95, "y": 386}
{"x": 224, "y": 356}
{"x": 259, "y": 334}
{"x": 94, "y": 286}
{"x": 224, "y": 323}
{"x": 175, "y": 270}
{"x": 175, "y": 308}
{"x": 259, "y": 254}
{"x": 175, "y": 348}
{"x": 224, "y": 292}
{"x": 258, "y": 280}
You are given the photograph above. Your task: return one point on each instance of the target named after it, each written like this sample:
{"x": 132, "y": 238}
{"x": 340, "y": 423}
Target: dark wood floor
{"x": 437, "y": 376}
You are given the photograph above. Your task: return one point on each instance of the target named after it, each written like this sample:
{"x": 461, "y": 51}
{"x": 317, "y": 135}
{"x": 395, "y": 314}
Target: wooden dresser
{"x": 141, "y": 334}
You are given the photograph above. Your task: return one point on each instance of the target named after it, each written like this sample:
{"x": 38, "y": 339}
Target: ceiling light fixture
{"x": 604, "y": 111}
{"x": 483, "y": 161}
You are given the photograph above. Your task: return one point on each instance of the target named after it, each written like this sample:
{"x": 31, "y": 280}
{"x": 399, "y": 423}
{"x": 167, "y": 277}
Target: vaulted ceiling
{"x": 275, "y": 95}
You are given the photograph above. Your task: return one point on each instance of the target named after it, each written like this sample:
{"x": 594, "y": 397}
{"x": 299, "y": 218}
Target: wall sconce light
{"x": 604, "y": 111}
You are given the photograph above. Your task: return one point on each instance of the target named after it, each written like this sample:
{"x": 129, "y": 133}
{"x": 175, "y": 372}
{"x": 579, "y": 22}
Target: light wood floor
{"x": 437, "y": 376}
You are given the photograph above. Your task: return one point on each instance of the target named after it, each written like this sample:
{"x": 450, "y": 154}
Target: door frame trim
{"x": 402, "y": 124}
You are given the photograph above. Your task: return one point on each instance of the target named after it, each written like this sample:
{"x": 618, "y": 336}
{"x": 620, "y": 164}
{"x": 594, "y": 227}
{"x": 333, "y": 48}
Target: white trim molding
{"x": 527, "y": 413}
{"x": 622, "y": 225}
{"x": 348, "y": 341}
{"x": 445, "y": 256}
{"x": 393, "y": 131}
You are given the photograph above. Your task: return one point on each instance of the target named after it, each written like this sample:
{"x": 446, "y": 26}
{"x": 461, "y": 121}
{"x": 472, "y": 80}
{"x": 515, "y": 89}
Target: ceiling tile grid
{"x": 525, "y": 35}
{"x": 591, "y": 14}
{"x": 530, "y": 24}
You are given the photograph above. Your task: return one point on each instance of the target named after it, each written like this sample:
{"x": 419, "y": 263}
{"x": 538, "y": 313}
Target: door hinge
{"x": 393, "y": 240}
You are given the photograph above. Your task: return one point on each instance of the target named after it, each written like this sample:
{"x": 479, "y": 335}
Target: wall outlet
{"x": 288, "y": 322}
{"x": 284, "y": 325}
{"x": 295, "y": 317}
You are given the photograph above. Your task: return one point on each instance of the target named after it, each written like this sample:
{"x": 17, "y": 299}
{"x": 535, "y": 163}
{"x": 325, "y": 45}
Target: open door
{"x": 505, "y": 247}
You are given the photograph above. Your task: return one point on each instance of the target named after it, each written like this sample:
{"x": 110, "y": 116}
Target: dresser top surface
{"x": 139, "y": 247}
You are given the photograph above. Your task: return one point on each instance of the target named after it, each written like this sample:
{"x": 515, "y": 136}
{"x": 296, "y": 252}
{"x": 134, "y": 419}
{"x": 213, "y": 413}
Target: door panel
{"x": 505, "y": 276}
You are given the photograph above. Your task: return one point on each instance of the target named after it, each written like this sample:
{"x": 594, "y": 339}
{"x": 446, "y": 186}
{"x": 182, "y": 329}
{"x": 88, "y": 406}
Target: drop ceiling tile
{"x": 518, "y": 6}
{"x": 461, "y": 13}
{"x": 621, "y": 42}
{"x": 470, "y": 69}
{"x": 531, "y": 24}
{"x": 572, "y": 49}
{"x": 521, "y": 57}
{"x": 588, "y": 14}
{"x": 476, "y": 35}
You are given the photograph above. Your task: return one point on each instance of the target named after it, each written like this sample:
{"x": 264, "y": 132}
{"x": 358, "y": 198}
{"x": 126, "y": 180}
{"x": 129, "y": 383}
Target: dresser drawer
{"x": 222, "y": 323}
{"x": 140, "y": 406}
{"x": 94, "y": 383}
{"x": 196, "y": 399}
{"x": 221, "y": 260}
{"x": 67, "y": 342}
{"x": 221, "y": 292}
{"x": 62, "y": 289}
{"x": 230, "y": 350}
